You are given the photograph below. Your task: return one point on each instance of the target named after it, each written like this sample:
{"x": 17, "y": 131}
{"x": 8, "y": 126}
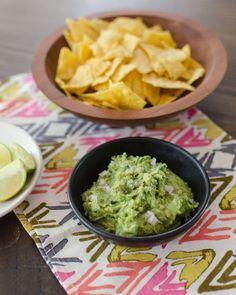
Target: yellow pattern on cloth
{"x": 201, "y": 260}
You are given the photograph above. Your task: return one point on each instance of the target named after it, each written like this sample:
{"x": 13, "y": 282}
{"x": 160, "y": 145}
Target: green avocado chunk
{"x": 138, "y": 196}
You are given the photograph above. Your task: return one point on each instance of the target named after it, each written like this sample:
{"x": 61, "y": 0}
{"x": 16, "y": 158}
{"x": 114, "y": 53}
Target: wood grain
{"x": 205, "y": 48}
{"x": 23, "y": 24}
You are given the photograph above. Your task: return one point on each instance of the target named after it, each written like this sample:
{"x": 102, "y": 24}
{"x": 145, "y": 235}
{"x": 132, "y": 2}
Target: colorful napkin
{"x": 203, "y": 260}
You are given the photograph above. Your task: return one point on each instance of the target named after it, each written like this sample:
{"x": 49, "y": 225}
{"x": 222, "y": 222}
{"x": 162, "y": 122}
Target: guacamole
{"x": 138, "y": 196}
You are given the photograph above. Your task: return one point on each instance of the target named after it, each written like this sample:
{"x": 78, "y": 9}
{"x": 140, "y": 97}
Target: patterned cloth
{"x": 201, "y": 260}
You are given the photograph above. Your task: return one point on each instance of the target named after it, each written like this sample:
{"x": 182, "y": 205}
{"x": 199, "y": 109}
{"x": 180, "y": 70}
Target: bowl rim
{"x": 150, "y": 238}
{"x": 83, "y": 110}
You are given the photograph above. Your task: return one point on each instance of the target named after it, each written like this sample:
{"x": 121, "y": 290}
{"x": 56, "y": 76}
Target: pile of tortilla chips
{"x": 124, "y": 64}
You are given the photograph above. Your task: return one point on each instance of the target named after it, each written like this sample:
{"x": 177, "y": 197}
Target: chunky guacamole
{"x": 138, "y": 196}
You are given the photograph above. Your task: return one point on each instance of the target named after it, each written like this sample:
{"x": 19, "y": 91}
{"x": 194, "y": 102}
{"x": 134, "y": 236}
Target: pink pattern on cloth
{"x": 163, "y": 281}
{"x": 191, "y": 112}
{"x": 192, "y": 139}
{"x": 7, "y": 107}
{"x": 63, "y": 276}
{"x": 92, "y": 142}
{"x": 32, "y": 110}
{"x": 85, "y": 264}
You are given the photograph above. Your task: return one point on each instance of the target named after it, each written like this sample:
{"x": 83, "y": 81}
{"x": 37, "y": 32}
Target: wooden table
{"x": 23, "y": 24}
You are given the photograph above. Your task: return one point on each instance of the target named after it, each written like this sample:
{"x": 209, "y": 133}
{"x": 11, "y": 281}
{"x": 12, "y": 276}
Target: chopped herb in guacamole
{"x": 138, "y": 196}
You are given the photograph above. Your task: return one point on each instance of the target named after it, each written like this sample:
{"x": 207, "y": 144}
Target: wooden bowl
{"x": 206, "y": 48}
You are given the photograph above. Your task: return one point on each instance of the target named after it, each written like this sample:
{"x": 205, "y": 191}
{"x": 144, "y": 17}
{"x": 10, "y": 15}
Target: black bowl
{"x": 178, "y": 160}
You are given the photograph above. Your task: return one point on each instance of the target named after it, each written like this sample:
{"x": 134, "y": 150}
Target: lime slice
{"x": 5, "y": 155}
{"x": 12, "y": 179}
{"x": 20, "y": 153}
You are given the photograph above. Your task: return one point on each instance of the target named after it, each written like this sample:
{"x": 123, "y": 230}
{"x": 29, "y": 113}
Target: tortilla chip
{"x": 165, "y": 99}
{"x": 174, "y": 54}
{"x": 118, "y": 51}
{"x": 194, "y": 72}
{"x": 69, "y": 39}
{"x": 67, "y": 64}
{"x": 156, "y": 28}
{"x": 187, "y": 50}
{"x": 130, "y": 25}
{"x": 96, "y": 50}
{"x": 174, "y": 69}
{"x": 99, "y": 104}
{"x": 130, "y": 42}
{"x": 152, "y": 94}
{"x": 154, "y": 80}
{"x": 153, "y": 53}
{"x": 82, "y": 78}
{"x": 141, "y": 62}
{"x": 108, "y": 40}
{"x": 99, "y": 24}
{"x": 106, "y": 76}
{"x": 80, "y": 28}
{"x": 103, "y": 97}
{"x": 122, "y": 71}
{"x": 75, "y": 89}
{"x": 134, "y": 81}
{"x": 167, "y": 96}
{"x": 102, "y": 86}
{"x": 161, "y": 39}
{"x": 62, "y": 85}
{"x": 126, "y": 97}
{"x": 82, "y": 50}
{"x": 98, "y": 66}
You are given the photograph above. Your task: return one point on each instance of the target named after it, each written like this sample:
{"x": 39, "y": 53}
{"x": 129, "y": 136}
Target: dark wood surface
{"x": 23, "y": 24}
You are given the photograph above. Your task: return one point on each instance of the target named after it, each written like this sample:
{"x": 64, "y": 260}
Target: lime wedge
{"x": 20, "y": 153}
{"x": 5, "y": 155}
{"x": 12, "y": 179}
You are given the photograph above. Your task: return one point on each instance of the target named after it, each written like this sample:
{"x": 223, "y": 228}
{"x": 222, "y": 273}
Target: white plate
{"x": 9, "y": 134}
